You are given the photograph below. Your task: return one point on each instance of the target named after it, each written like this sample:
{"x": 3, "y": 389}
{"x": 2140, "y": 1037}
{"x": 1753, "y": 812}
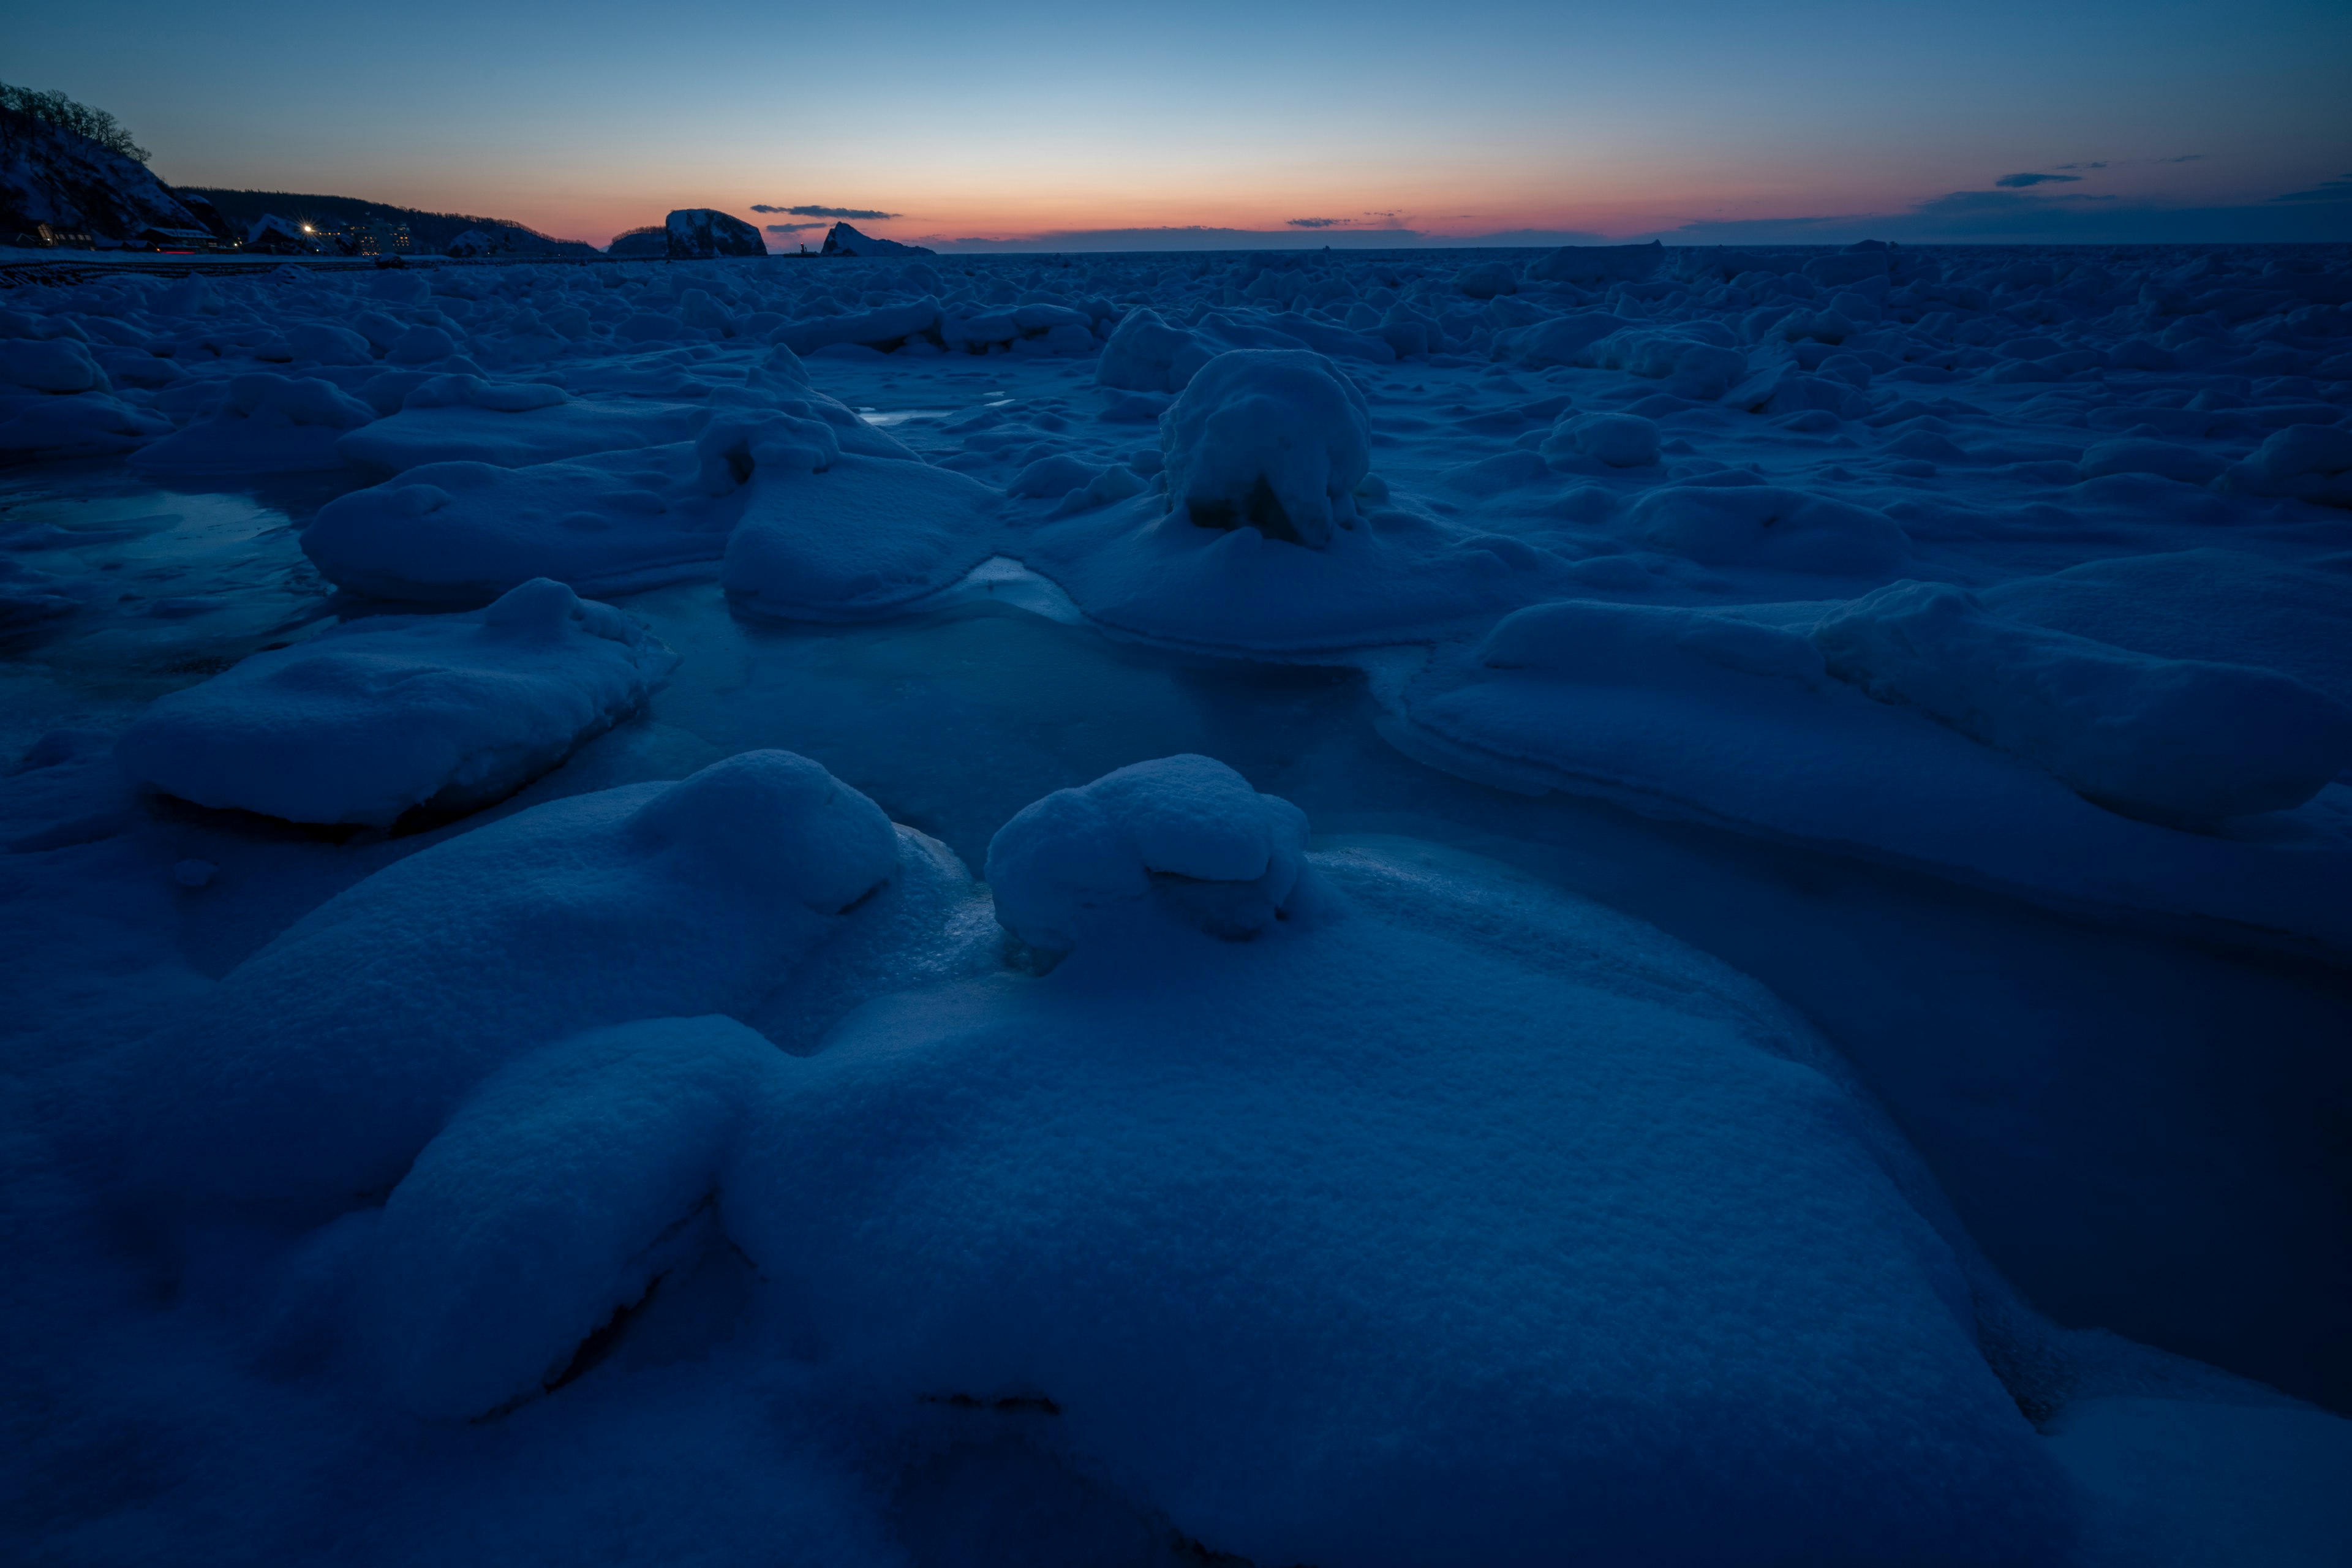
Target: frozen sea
{"x": 1624, "y": 905}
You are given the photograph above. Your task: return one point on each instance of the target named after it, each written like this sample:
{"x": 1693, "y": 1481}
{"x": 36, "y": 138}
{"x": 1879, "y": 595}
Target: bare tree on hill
{"x": 57, "y": 108}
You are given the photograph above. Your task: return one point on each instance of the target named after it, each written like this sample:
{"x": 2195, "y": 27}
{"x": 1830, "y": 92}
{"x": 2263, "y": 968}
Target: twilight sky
{"x": 1092, "y": 126}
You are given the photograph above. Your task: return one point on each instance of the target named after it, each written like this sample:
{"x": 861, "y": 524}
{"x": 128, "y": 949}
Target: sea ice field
{"x": 1614, "y": 906}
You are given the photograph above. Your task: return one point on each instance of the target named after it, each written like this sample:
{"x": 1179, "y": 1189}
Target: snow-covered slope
{"x": 51, "y": 175}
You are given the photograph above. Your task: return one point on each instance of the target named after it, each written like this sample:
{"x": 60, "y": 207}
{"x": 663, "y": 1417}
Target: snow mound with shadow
{"x": 1310, "y": 1229}
{"x": 2168, "y": 739}
{"x": 325, "y": 1063}
{"x": 1269, "y": 440}
{"x": 376, "y": 717}
{"x": 460, "y": 533}
{"x": 1738, "y": 715}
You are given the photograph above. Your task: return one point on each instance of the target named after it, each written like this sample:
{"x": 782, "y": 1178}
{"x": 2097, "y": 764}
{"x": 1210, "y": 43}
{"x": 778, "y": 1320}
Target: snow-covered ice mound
{"x": 1187, "y": 832}
{"x": 514, "y": 437}
{"x": 373, "y": 718}
{"x": 562, "y": 1189}
{"x": 460, "y": 533}
{"x": 1767, "y": 526}
{"x": 1310, "y": 1192}
{"x": 1403, "y": 1219}
{"x": 1273, "y": 440}
{"x": 54, "y": 401}
{"x": 1145, "y": 354}
{"x": 1399, "y": 574}
{"x": 1978, "y": 765}
{"x": 327, "y": 1061}
{"x": 266, "y": 424}
{"x": 2310, "y": 462}
{"x": 1268, "y": 532}
{"x": 53, "y": 367}
{"x": 90, "y": 424}
{"x": 862, "y": 537}
{"x": 1697, "y": 360}
{"x": 2170, "y": 739}
{"x": 1620, "y": 440}
{"x": 714, "y": 1166}
{"x": 2224, "y": 606}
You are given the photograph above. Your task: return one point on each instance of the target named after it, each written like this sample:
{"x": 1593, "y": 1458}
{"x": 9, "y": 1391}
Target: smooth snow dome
{"x": 1188, "y": 830}
{"x": 1623, "y": 903}
{"x": 862, "y": 536}
{"x": 459, "y": 533}
{"x": 1146, "y": 354}
{"x": 562, "y": 1189}
{"x": 325, "y": 1063}
{"x": 1232, "y": 1198}
{"x": 370, "y": 719}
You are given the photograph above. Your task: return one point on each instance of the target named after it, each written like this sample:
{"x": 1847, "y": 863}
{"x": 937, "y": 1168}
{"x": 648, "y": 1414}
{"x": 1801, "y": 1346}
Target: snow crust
{"x": 650, "y": 1149}
{"x": 1836, "y": 388}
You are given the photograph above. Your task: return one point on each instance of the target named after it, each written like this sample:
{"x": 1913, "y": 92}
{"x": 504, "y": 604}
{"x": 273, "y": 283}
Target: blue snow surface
{"x": 1622, "y": 906}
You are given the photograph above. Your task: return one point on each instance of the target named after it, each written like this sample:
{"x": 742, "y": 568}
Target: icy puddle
{"x": 112, "y": 592}
{"x": 1354, "y": 912}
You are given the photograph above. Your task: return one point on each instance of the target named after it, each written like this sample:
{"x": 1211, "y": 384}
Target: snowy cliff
{"x": 51, "y": 175}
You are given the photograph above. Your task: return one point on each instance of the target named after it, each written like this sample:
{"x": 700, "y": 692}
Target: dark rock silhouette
{"x": 698, "y": 234}
{"x": 844, "y": 240}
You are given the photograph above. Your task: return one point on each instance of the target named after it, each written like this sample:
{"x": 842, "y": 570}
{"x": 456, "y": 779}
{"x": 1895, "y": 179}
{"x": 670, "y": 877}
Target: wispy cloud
{"x": 1996, "y": 217}
{"x": 1186, "y": 236}
{"x": 2099, "y": 166}
{"x": 1343, "y": 234}
{"x": 2339, "y": 189}
{"x": 791, "y": 228}
{"x": 2019, "y": 182}
{"x": 2184, "y": 158}
{"x": 1390, "y": 220}
{"x": 1509, "y": 237}
{"x": 815, "y": 211}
